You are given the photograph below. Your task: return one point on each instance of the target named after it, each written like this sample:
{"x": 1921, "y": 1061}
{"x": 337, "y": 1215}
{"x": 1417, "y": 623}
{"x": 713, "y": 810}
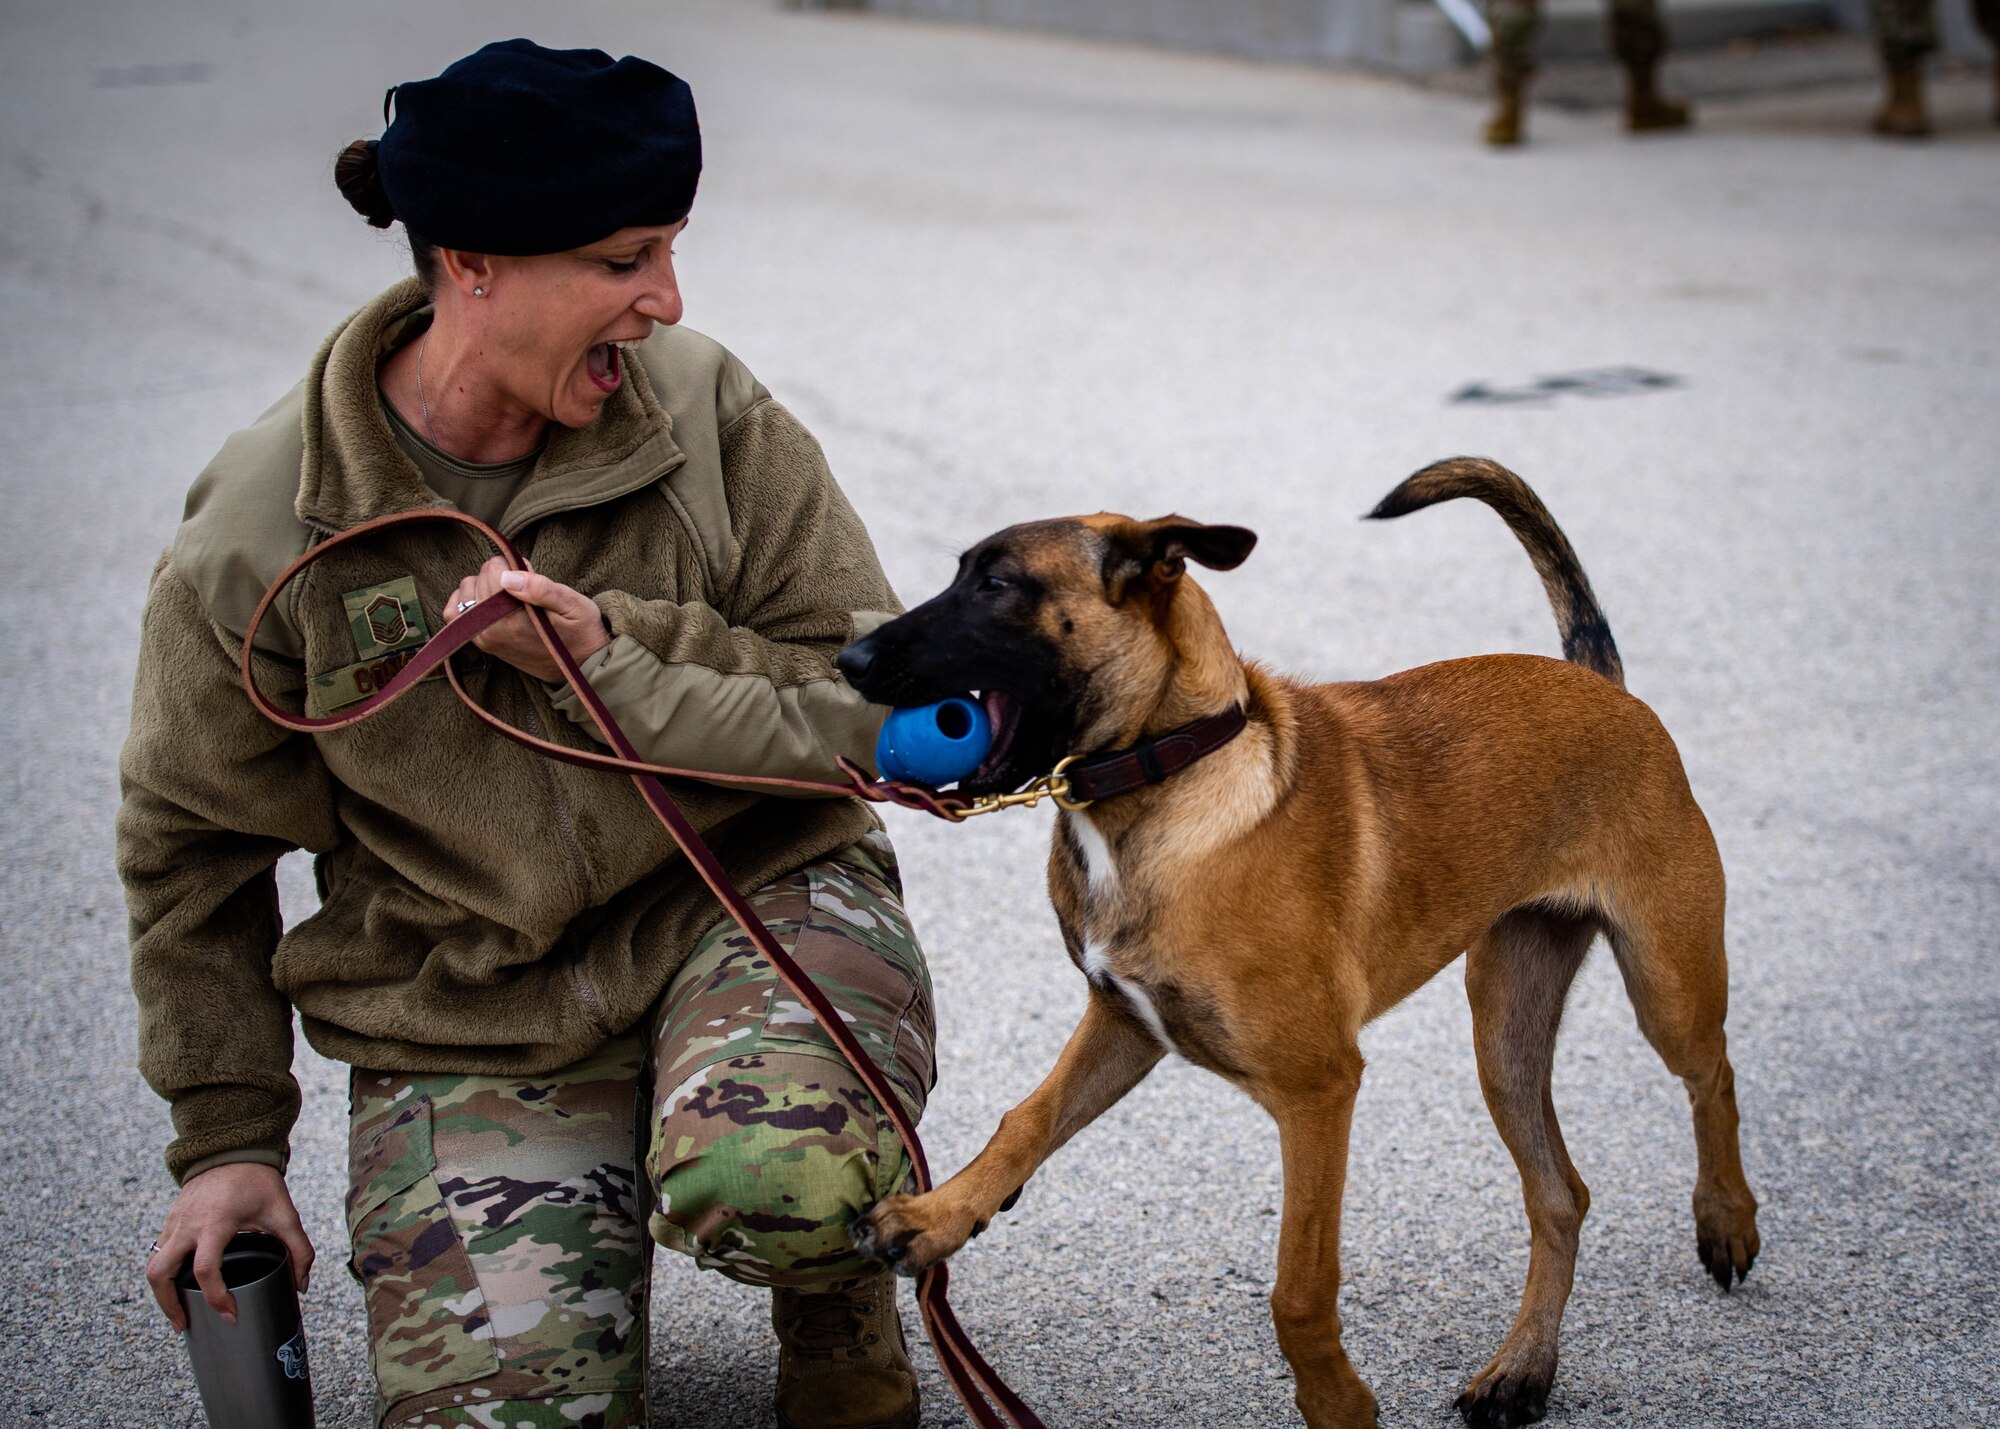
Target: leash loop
{"x": 986, "y": 1396}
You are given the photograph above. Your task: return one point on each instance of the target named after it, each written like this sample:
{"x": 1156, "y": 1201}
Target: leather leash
{"x": 986, "y": 1396}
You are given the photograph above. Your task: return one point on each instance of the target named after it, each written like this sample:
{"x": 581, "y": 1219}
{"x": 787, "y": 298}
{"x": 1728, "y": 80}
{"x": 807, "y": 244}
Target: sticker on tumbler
{"x": 292, "y": 1355}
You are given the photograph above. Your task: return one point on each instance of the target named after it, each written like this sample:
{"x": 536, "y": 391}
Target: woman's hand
{"x": 212, "y": 1207}
{"x": 575, "y": 616}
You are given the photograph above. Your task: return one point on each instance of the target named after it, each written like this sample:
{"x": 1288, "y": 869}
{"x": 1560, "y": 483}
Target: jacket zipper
{"x": 593, "y": 1005}
{"x": 587, "y": 995}
{"x": 565, "y": 824}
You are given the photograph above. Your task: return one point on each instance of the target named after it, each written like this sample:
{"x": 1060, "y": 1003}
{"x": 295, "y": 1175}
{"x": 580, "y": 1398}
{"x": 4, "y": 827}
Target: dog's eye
{"x": 996, "y": 584}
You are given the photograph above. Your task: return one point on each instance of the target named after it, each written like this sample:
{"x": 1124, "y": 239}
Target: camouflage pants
{"x": 1637, "y": 37}
{"x": 503, "y": 1228}
{"x": 1907, "y": 29}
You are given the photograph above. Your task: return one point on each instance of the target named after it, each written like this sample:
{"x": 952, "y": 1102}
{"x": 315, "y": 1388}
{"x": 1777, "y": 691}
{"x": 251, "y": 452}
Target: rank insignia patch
{"x": 385, "y": 617}
{"x": 388, "y": 626}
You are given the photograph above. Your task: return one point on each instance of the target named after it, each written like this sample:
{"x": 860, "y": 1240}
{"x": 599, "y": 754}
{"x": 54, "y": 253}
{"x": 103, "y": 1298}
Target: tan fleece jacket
{"x": 484, "y": 909}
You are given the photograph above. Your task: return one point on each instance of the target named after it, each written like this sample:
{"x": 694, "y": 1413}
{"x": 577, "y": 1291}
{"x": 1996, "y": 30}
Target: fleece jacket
{"x": 483, "y": 909}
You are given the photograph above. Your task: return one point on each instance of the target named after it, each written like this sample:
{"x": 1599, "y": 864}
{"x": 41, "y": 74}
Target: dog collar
{"x": 1079, "y": 782}
{"x": 1150, "y": 761}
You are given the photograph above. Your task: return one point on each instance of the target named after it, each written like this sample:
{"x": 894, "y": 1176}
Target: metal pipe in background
{"x": 1466, "y": 19}
{"x": 252, "y": 1374}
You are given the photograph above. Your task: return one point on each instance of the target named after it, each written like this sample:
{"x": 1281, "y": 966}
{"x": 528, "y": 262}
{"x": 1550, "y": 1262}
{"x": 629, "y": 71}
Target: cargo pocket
{"x": 427, "y": 1321}
{"x": 857, "y": 945}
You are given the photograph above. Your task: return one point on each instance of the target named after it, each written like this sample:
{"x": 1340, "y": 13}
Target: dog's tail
{"x": 1586, "y": 638}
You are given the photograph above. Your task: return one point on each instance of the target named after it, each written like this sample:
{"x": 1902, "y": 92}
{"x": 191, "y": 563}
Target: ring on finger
{"x": 465, "y": 605}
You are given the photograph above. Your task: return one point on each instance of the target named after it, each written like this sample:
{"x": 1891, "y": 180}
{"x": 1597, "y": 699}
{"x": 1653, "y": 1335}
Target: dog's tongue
{"x": 999, "y": 708}
{"x": 604, "y": 364}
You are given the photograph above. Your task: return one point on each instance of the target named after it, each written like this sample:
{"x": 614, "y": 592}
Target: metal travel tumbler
{"x": 252, "y": 1374}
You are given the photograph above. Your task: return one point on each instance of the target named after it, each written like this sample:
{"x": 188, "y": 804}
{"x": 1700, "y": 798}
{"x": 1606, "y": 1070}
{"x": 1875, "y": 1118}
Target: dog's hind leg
{"x": 1107, "y": 1055}
{"x": 1670, "y": 949}
{"x": 1517, "y": 976}
{"x": 1313, "y": 1127}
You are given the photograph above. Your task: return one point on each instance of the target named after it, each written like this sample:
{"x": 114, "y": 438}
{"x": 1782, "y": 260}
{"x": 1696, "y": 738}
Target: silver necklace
{"x": 423, "y": 405}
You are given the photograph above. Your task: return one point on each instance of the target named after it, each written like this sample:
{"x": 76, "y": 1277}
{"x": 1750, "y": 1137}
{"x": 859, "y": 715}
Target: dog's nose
{"x": 853, "y": 661}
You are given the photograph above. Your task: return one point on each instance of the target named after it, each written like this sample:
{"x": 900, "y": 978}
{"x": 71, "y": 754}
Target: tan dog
{"x": 1253, "y": 911}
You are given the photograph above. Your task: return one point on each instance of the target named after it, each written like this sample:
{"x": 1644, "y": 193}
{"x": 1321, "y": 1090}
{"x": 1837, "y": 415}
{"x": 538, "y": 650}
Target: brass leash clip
{"x": 1050, "y": 786}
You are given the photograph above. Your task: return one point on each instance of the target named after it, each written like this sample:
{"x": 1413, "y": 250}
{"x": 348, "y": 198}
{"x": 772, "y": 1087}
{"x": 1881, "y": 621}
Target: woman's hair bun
{"x": 359, "y": 179}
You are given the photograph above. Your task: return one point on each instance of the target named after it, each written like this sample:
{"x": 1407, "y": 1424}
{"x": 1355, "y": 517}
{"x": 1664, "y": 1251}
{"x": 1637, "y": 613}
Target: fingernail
{"x": 513, "y": 580}
{"x": 227, "y": 1318}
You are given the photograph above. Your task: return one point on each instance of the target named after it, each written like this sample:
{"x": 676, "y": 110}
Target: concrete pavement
{"x": 1003, "y": 276}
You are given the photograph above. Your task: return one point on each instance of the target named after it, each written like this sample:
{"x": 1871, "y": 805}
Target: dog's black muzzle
{"x": 936, "y": 651}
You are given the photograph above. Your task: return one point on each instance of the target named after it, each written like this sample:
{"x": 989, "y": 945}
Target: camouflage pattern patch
{"x": 337, "y": 689}
{"x": 1905, "y": 29}
{"x": 385, "y": 617}
{"x": 1516, "y": 26}
{"x": 568, "y": 1411}
{"x": 427, "y": 1322}
{"x": 532, "y": 1277}
{"x": 499, "y": 1232}
{"x": 765, "y": 1144}
{"x": 1637, "y": 36}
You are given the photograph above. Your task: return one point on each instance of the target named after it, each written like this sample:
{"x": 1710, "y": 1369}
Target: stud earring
{"x": 478, "y": 292}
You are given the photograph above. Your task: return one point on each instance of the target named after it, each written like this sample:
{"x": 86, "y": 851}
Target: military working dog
{"x": 1253, "y": 910}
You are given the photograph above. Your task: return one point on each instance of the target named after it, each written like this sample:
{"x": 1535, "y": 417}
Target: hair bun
{"x": 359, "y": 179}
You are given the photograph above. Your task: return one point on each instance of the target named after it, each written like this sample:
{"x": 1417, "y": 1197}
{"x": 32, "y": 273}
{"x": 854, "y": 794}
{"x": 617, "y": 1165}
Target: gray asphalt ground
{"x": 1005, "y": 277}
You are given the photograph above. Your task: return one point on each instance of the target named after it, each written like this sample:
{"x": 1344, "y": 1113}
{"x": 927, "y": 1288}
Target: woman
{"x": 530, "y": 983}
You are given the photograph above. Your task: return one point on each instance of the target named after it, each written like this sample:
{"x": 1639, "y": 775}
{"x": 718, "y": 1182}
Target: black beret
{"x": 518, "y": 149}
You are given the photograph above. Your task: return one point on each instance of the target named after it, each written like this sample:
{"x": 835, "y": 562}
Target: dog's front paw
{"x": 909, "y": 1234}
{"x": 1505, "y": 1396}
{"x": 1725, "y": 1236}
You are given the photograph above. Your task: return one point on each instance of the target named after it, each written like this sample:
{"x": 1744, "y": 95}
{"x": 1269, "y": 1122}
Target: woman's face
{"x": 550, "y": 325}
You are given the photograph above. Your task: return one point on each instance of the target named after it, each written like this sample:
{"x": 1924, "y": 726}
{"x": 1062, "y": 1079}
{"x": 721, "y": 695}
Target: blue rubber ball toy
{"x": 934, "y": 745}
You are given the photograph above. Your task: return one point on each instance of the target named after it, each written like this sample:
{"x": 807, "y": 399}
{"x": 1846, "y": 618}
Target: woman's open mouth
{"x": 603, "y": 363}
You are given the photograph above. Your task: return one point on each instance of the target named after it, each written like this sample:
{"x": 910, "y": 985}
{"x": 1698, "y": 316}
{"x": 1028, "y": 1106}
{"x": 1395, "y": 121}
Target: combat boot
{"x": 1903, "y": 115}
{"x": 1646, "y": 109}
{"x": 842, "y": 1363}
{"x": 1505, "y": 129}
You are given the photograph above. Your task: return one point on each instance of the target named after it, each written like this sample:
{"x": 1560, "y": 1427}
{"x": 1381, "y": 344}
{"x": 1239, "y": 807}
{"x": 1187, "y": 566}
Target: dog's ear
{"x": 1220, "y": 548}
{"x": 1159, "y": 550}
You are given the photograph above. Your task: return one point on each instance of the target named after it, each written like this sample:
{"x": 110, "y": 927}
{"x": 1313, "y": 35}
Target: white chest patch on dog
{"x": 1100, "y": 873}
{"x": 1097, "y": 967}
